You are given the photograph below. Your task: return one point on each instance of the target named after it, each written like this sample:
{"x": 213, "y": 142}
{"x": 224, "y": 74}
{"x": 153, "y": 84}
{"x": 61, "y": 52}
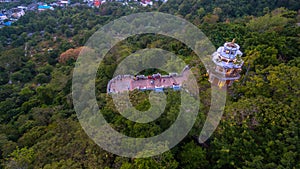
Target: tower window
{"x": 220, "y": 69}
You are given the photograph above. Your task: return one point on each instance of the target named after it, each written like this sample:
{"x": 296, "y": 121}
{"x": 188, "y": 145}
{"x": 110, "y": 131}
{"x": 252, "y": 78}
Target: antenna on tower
{"x": 233, "y": 41}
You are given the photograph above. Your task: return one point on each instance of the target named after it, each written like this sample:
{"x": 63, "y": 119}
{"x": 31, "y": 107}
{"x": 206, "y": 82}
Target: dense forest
{"x": 261, "y": 123}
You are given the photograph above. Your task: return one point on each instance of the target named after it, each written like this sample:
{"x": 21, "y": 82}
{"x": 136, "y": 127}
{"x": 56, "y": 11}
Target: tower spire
{"x": 233, "y": 41}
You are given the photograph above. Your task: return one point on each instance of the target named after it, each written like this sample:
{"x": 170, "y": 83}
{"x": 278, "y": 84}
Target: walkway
{"x": 123, "y": 83}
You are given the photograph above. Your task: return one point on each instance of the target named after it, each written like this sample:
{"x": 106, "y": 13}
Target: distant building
{"x": 22, "y": 7}
{"x": 6, "y": 1}
{"x": 32, "y": 7}
{"x": 63, "y": 3}
{"x": 8, "y": 23}
{"x": 44, "y": 7}
{"x": 17, "y": 13}
{"x": 3, "y": 17}
{"x": 146, "y": 3}
{"x": 97, "y": 3}
{"x": 54, "y": 4}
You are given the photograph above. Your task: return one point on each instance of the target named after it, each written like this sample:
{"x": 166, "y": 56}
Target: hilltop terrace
{"x": 155, "y": 82}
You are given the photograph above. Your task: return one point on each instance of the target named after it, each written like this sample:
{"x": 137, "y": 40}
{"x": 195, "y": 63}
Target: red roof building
{"x": 97, "y": 3}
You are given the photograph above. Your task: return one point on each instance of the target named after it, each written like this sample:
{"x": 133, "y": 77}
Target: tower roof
{"x": 228, "y": 55}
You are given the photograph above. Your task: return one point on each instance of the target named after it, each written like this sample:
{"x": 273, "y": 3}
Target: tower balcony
{"x": 225, "y": 77}
{"x": 227, "y": 63}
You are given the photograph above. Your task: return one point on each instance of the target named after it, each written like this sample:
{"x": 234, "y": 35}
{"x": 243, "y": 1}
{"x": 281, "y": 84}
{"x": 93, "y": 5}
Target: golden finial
{"x": 233, "y": 41}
